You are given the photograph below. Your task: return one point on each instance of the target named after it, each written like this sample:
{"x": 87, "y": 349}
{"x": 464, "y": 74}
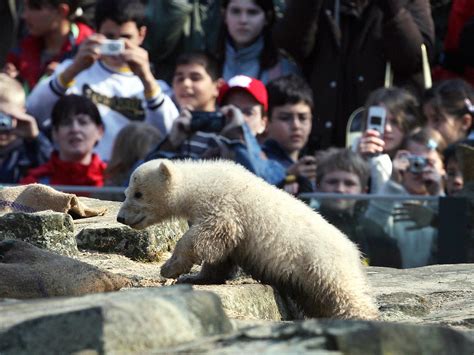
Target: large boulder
{"x": 132, "y": 321}
{"x": 49, "y": 230}
{"x": 105, "y": 234}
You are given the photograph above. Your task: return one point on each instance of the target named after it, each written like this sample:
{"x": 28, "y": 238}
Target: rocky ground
{"x": 423, "y": 311}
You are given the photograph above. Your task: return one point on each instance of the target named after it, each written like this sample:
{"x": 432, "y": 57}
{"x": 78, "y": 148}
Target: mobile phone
{"x": 207, "y": 121}
{"x": 376, "y": 118}
{"x": 112, "y": 47}
{"x": 6, "y": 122}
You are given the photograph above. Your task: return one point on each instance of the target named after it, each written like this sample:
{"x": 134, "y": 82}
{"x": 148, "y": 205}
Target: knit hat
{"x": 253, "y": 86}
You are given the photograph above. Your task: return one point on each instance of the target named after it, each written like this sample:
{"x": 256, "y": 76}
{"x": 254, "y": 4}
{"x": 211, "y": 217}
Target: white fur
{"x": 270, "y": 234}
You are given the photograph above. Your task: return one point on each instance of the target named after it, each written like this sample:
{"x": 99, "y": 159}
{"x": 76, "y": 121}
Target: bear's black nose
{"x": 120, "y": 219}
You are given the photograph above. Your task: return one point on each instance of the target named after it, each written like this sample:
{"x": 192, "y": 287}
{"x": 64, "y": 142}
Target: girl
{"x": 449, "y": 109}
{"x": 402, "y": 117}
{"x": 245, "y": 43}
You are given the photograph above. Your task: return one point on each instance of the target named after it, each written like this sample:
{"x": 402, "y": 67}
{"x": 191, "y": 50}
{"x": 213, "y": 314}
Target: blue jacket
{"x": 22, "y": 155}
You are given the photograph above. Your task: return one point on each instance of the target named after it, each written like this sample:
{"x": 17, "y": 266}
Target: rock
{"x": 131, "y": 321}
{"x": 27, "y": 271}
{"x": 49, "y": 230}
{"x": 104, "y": 234}
{"x": 336, "y": 337}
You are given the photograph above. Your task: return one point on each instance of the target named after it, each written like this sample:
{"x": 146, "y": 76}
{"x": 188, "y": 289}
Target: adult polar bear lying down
{"x": 237, "y": 217}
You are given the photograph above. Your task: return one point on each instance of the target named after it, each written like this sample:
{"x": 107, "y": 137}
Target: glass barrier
{"x": 390, "y": 230}
{"x": 402, "y": 231}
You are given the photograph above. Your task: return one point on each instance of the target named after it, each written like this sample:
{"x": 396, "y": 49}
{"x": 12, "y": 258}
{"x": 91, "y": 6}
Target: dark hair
{"x": 288, "y": 89}
{"x": 454, "y": 97}
{"x": 269, "y": 55}
{"x": 450, "y": 152}
{"x": 206, "y": 60}
{"x": 342, "y": 159}
{"x": 120, "y": 11}
{"x": 402, "y": 104}
{"x": 71, "y": 105}
{"x": 39, "y": 4}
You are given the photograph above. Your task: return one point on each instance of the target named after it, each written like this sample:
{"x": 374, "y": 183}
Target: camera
{"x": 6, "y": 122}
{"x": 376, "y": 118}
{"x": 417, "y": 164}
{"x": 112, "y": 47}
{"x": 207, "y": 121}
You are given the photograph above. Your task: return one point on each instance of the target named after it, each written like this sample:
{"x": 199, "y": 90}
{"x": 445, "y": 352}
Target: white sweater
{"x": 118, "y": 95}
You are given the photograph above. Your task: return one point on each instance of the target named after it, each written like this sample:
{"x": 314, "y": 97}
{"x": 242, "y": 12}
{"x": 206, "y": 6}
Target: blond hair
{"x": 11, "y": 91}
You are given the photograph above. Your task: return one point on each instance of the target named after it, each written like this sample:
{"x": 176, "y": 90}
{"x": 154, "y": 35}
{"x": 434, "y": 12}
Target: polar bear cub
{"x": 237, "y": 218}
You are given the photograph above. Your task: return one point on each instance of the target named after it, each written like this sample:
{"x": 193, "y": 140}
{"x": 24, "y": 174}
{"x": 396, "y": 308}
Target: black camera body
{"x": 204, "y": 121}
{"x": 6, "y": 122}
{"x": 417, "y": 164}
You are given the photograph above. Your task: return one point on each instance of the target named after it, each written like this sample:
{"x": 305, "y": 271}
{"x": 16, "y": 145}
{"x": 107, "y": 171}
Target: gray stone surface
{"x": 133, "y": 321}
{"x": 48, "y": 230}
{"x": 105, "y": 234}
{"x": 336, "y": 337}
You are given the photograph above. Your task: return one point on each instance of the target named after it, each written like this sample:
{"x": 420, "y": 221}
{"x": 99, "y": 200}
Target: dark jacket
{"x": 345, "y": 63}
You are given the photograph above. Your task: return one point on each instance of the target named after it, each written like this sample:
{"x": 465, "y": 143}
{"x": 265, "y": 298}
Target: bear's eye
{"x": 138, "y": 194}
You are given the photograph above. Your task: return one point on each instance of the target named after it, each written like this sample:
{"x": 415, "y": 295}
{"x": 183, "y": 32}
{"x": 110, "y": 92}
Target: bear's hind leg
{"x": 211, "y": 274}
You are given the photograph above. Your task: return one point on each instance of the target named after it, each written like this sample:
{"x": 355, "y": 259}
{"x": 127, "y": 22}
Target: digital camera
{"x": 207, "y": 121}
{"x": 112, "y": 47}
{"x": 417, "y": 164}
{"x": 6, "y": 122}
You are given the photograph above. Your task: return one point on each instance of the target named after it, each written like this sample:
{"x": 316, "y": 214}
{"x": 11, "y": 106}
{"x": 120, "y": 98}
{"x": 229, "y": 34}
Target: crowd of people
{"x": 89, "y": 90}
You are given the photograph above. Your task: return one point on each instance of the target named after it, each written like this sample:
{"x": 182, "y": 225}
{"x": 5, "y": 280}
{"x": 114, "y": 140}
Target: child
{"x": 245, "y": 45}
{"x": 77, "y": 128}
{"x": 344, "y": 172}
{"x": 22, "y": 145}
{"x": 132, "y": 144}
{"x": 53, "y": 36}
{"x": 290, "y": 116}
{"x": 403, "y": 116}
{"x": 417, "y": 170}
{"x": 122, "y": 84}
{"x": 449, "y": 109}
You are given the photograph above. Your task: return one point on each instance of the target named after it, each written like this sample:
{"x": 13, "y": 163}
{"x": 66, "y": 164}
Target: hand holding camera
{"x": 181, "y": 128}
{"x": 305, "y": 166}
{"x": 18, "y": 123}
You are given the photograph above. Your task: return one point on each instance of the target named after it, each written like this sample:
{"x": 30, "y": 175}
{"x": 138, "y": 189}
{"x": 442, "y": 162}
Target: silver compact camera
{"x": 417, "y": 164}
{"x": 112, "y": 47}
{"x": 6, "y": 122}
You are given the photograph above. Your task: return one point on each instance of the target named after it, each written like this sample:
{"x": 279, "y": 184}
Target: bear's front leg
{"x": 211, "y": 274}
{"x": 183, "y": 257}
{"x": 210, "y": 240}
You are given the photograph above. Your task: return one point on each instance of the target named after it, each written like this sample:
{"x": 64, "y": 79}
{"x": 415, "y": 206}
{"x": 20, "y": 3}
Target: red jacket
{"x": 59, "y": 172}
{"x": 27, "y": 57}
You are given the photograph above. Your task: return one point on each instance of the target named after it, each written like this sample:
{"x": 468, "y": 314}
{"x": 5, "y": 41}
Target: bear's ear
{"x": 166, "y": 170}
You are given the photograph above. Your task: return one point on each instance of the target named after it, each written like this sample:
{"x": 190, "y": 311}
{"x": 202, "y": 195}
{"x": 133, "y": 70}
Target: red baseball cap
{"x": 251, "y": 85}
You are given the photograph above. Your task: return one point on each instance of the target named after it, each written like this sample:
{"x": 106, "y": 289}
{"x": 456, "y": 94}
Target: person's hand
{"x": 422, "y": 216}
{"x": 305, "y": 166}
{"x": 24, "y": 125}
{"x": 370, "y": 144}
{"x": 181, "y": 128}
{"x": 137, "y": 59}
{"x": 433, "y": 180}
{"x": 88, "y": 52}
{"x": 400, "y": 164}
{"x": 11, "y": 70}
{"x": 234, "y": 119}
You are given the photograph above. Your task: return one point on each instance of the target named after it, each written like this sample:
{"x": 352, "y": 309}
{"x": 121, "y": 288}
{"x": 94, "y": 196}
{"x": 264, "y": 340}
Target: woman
{"x": 245, "y": 43}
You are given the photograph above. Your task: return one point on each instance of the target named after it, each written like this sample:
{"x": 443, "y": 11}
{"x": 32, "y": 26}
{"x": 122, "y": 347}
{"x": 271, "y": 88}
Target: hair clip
{"x": 432, "y": 145}
{"x": 469, "y": 105}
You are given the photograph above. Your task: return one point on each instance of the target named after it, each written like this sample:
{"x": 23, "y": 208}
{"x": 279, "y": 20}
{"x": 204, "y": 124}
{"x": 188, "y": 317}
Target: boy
{"x": 344, "y": 172}
{"x": 121, "y": 84}
{"x": 290, "y": 119}
{"x": 22, "y": 145}
{"x": 53, "y": 36}
{"x": 77, "y": 128}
